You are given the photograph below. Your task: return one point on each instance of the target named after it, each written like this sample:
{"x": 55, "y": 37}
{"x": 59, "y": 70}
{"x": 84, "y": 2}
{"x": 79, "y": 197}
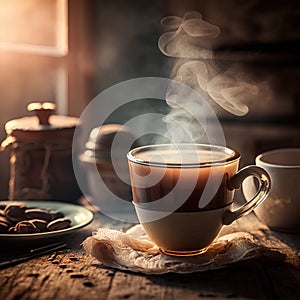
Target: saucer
{"x": 79, "y": 216}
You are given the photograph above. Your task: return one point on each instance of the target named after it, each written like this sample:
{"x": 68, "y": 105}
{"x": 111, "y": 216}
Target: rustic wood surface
{"x": 72, "y": 274}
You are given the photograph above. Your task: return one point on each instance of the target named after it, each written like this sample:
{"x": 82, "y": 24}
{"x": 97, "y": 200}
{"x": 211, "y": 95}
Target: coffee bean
{"x": 56, "y": 214}
{"x": 35, "y": 213}
{"x": 5, "y": 220}
{"x": 59, "y": 224}
{"x": 41, "y": 225}
{"x": 25, "y": 227}
{"x": 15, "y": 212}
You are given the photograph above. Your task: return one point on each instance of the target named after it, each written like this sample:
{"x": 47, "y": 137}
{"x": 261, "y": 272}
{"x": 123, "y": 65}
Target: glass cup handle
{"x": 263, "y": 190}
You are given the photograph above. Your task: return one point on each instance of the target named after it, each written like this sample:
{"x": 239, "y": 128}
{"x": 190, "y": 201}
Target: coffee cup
{"x": 281, "y": 210}
{"x": 183, "y": 194}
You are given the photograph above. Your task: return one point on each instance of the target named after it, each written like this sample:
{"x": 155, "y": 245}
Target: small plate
{"x": 78, "y": 215}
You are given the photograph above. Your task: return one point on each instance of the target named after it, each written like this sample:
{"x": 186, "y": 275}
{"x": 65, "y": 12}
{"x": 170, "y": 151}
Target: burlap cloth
{"x": 132, "y": 250}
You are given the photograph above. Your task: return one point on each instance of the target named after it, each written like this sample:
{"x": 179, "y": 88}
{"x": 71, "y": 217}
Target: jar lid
{"x": 101, "y": 139}
{"x": 42, "y": 127}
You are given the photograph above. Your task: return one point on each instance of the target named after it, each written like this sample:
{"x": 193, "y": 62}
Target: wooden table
{"x": 72, "y": 274}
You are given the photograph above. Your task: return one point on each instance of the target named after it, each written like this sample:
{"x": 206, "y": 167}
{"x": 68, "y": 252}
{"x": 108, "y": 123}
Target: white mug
{"x": 281, "y": 210}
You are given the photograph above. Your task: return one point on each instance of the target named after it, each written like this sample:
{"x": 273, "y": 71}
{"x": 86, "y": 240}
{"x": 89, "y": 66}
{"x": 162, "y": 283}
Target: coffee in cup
{"x": 183, "y": 194}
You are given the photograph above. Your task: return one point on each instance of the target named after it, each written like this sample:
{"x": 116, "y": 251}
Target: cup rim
{"x": 261, "y": 158}
{"x": 235, "y": 155}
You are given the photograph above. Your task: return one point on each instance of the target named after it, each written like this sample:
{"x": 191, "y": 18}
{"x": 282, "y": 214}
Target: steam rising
{"x": 191, "y": 38}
